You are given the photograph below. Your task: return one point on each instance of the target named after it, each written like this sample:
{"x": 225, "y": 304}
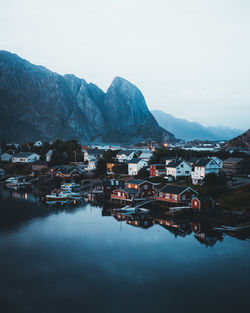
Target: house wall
{"x": 176, "y": 198}
{"x": 119, "y": 194}
{"x": 182, "y": 169}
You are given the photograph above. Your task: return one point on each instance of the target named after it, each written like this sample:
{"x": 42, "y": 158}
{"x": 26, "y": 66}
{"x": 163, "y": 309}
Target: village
{"x": 130, "y": 178}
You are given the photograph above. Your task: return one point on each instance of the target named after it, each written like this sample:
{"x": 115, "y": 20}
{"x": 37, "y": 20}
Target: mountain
{"x": 186, "y": 130}
{"x": 241, "y": 142}
{"x": 36, "y": 103}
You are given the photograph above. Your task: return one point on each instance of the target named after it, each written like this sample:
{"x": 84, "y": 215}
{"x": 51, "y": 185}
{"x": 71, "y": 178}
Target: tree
{"x": 120, "y": 168}
{"x": 143, "y": 173}
{"x": 109, "y": 155}
{"x": 214, "y": 179}
{"x": 101, "y": 167}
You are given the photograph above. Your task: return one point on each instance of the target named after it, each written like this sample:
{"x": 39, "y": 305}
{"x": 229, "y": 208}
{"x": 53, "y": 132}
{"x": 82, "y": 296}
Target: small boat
{"x": 11, "y": 180}
{"x": 127, "y": 208}
{"x": 69, "y": 186}
{"x": 143, "y": 210}
{"x": 58, "y": 196}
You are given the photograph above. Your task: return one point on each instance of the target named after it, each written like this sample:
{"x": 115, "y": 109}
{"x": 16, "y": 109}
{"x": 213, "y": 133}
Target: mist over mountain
{"x": 36, "y": 103}
{"x": 186, "y": 130}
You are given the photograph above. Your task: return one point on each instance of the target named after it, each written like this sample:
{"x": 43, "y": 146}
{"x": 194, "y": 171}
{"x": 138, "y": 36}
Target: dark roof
{"x": 95, "y": 151}
{"x": 174, "y": 189}
{"x": 174, "y": 163}
{"x": 202, "y": 162}
{"x": 25, "y": 154}
{"x": 162, "y": 165}
{"x": 233, "y": 160}
{"x": 135, "y": 160}
{"x": 65, "y": 169}
{"x": 128, "y": 190}
{"x": 137, "y": 181}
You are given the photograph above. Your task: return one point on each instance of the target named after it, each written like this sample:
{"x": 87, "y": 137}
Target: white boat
{"x": 143, "y": 210}
{"x": 71, "y": 195}
{"x": 58, "y": 196}
{"x": 68, "y": 186}
{"x": 11, "y": 180}
{"x": 127, "y": 208}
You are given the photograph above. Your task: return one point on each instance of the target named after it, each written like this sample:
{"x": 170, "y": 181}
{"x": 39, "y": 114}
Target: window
{"x": 129, "y": 186}
{"x": 160, "y": 194}
{"x": 119, "y": 194}
{"x": 145, "y": 187}
{"x": 167, "y": 195}
{"x": 183, "y": 197}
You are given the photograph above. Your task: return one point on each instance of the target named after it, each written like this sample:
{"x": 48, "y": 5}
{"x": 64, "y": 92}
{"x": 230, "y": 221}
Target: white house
{"x": 167, "y": 160}
{"x": 135, "y": 165}
{"x": 178, "y": 168}
{"x": 25, "y": 157}
{"x": 146, "y": 155}
{"x": 217, "y": 160}
{"x": 49, "y": 155}
{"x": 203, "y": 167}
{"x": 6, "y": 157}
{"x": 38, "y": 143}
{"x": 124, "y": 156}
{"x": 93, "y": 154}
{"x": 91, "y": 165}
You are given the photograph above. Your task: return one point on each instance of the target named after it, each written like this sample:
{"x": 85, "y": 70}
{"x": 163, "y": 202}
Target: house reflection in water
{"x": 203, "y": 231}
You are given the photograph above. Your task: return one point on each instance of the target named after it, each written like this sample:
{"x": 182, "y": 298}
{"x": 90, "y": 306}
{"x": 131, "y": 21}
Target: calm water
{"x": 81, "y": 259}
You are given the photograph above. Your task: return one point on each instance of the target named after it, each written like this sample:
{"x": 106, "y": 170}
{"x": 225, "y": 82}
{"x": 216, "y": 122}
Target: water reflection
{"x": 85, "y": 258}
{"x": 13, "y": 213}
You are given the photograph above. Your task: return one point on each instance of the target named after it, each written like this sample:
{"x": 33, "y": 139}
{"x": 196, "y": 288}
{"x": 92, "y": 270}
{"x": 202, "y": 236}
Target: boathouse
{"x": 202, "y": 203}
{"x": 176, "y": 195}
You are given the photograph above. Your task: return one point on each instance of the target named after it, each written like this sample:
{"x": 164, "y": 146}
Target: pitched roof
{"x": 49, "y": 152}
{"x": 137, "y": 181}
{"x": 65, "y": 169}
{"x": 127, "y": 152}
{"x": 95, "y": 151}
{"x": 135, "y": 160}
{"x": 129, "y": 190}
{"x": 174, "y": 189}
{"x": 174, "y": 163}
{"x": 203, "y": 162}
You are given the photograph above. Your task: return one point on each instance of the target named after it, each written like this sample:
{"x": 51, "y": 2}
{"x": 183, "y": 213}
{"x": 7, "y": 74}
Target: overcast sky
{"x": 190, "y": 58}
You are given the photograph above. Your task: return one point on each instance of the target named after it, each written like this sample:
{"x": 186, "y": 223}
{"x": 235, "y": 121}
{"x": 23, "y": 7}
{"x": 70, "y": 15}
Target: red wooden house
{"x": 177, "y": 195}
{"x": 125, "y": 194}
{"x": 157, "y": 170}
{"x": 202, "y": 203}
{"x": 134, "y": 189}
{"x": 144, "y": 187}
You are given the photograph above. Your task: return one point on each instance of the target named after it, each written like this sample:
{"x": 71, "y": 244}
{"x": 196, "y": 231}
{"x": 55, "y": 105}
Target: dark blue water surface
{"x": 81, "y": 259}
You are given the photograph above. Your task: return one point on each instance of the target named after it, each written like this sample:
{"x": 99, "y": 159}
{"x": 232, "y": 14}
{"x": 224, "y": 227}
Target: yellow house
{"x": 110, "y": 168}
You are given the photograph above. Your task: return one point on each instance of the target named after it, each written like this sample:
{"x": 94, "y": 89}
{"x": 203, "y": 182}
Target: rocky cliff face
{"x": 36, "y": 103}
{"x": 241, "y": 142}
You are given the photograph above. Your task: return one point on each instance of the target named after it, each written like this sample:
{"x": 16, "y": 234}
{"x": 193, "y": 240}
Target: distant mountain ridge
{"x": 36, "y": 103}
{"x": 186, "y": 130}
